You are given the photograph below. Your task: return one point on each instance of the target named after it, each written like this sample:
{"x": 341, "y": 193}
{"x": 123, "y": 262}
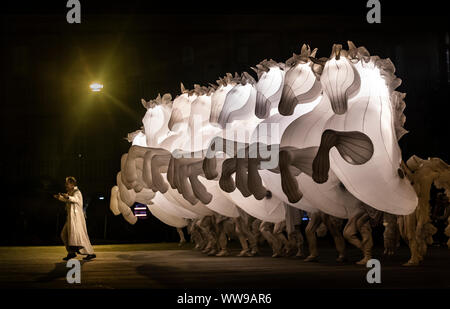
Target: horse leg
{"x": 351, "y": 230}
{"x": 245, "y": 227}
{"x": 266, "y": 231}
{"x": 182, "y": 239}
{"x": 313, "y": 224}
{"x": 243, "y": 241}
{"x": 256, "y": 234}
{"x": 390, "y": 233}
{"x": 278, "y": 232}
{"x": 424, "y": 231}
{"x": 365, "y": 230}
{"x": 206, "y": 224}
{"x": 299, "y": 241}
{"x": 223, "y": 239}
{"x": 295, "y": 240}
{"x": 252, "y": 240}
{"x": 242, "y": 234}
{"x": 334, "y": 228}
{"x": 201, "y": 224}
{"x": 410, "y": 233}
{"x": 197, "y": 235}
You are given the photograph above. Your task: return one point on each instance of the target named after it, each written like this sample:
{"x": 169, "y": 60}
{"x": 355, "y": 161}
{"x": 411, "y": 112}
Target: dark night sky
{"x": 53, "y": 126}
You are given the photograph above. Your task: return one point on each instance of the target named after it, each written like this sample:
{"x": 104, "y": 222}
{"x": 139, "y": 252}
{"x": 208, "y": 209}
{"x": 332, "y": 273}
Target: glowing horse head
{"x": 240, "y": 100}
{"x": 199, "y": 128}
{"x": 181, "y": 109}
{"x": 225, "y": 84}
{"x": 301, "y": 83}
{"x": 201, "y": 106}
{"x": 269, "y": 87}
{"x": 362, "y": 134}
{"x": 237, "y": 116}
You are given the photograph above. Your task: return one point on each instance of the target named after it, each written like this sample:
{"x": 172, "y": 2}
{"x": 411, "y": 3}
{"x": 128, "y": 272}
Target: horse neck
{"x": 153, "y": 139}
{"x": 202, "y": 114}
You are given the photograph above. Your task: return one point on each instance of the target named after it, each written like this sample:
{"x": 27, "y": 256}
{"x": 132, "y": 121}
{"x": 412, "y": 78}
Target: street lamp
{"x": 96, "y": 87}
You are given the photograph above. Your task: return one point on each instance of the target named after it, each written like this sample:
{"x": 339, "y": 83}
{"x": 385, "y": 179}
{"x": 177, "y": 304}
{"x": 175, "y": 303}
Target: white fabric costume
{"x": 74, "y": 233}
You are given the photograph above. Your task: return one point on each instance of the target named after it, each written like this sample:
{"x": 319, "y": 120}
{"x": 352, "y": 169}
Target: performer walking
{"x": 74, "y": 234}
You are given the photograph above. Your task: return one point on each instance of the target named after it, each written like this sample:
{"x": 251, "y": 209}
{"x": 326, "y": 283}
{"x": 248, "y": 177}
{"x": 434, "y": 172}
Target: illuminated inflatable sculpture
{"x": 314, "y": 135}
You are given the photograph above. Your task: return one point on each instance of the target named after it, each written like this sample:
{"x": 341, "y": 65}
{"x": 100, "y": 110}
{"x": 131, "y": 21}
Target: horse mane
{"x": 304, "y": 56}
{"x": 387, "y": 71}
{"x": 203, "y": 90}
{"x": 166, "y": 99}
{"x": 265, "y": 65}
{"x": 184, "y": 90}
{"x": 226, "y": 80}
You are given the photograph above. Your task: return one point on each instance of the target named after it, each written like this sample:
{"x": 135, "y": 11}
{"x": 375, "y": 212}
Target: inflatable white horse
{"x": 337, "y": 121}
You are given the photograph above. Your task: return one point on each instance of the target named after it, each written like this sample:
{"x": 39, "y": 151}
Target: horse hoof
{"x": 341, "y": 259}
{"x": 411, "y": 263}
{"x": 244, "y": 253}
{"x": 311, "y": 259}
{"x": 223, "y": 253}
{"x": 254, "y": 253}
{"x": 363, "y": 261}
{"x": 212, "y": 252}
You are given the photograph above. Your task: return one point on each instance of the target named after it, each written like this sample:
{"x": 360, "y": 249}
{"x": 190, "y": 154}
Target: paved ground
{"x": 168, "y": 266}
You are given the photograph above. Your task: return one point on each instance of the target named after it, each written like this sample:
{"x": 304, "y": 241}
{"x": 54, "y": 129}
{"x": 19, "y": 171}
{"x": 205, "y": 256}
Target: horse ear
{"x": 166, "y": 98}
{"x": 145, "y": 103}
{"x": 414, "y": 162}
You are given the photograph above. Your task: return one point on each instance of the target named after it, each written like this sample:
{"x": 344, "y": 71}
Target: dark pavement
{"x": 168, "y": 266}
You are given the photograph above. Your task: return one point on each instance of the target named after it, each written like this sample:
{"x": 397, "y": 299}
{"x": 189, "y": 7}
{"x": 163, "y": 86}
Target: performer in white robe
{"x": 74, "y": 234}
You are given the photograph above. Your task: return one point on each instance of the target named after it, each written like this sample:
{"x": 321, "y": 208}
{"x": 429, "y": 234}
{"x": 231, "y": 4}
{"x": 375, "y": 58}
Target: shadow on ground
{"x": 193, "y": 269}
{"x": 151, "y": 267}
{"x": 59, "y": 271}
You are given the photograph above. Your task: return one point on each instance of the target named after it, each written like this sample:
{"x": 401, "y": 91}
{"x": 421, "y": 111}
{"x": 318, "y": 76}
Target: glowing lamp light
{"x": 96, "y": 87}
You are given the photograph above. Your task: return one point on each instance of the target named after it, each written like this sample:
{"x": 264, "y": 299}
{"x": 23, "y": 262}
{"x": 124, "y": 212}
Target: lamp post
{"x": 96, "y": 87}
